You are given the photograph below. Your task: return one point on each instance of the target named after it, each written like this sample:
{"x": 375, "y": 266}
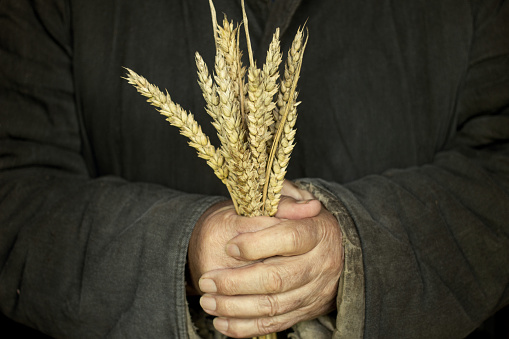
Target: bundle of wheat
{"x": 254, "y": 119}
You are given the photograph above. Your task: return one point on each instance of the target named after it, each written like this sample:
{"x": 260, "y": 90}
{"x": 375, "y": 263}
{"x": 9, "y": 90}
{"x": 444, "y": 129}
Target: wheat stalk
{"x": 256, "y": 130}
{"x": 285, "y": 116}
{"x": 262, "y": 86}
{"x": 209, "y": 90}
{"x": 178, "y": 117}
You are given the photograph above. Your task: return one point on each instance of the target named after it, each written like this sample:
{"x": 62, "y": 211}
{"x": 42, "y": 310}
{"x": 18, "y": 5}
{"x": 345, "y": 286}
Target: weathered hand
{"x": 219, "y": 224}
{"x": 292, "y": 272}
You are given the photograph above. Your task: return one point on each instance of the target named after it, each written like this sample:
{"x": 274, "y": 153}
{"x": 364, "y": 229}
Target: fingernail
{"x": 207, "y": 286}
{"x": 208, "y": 303}
{"x": 233, "y": 250}
{"x": 304, "y": 201}
{"x": 221, "y": 324}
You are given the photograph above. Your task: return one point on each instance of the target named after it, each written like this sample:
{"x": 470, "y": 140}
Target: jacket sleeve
{"x": 434, "y": 239}
{"x": 80, "y": 257}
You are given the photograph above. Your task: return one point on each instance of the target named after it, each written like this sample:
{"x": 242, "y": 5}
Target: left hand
{"x": 295, "y": 278}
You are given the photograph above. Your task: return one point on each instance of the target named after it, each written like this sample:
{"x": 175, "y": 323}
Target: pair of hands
{"x": 262, "y": 275}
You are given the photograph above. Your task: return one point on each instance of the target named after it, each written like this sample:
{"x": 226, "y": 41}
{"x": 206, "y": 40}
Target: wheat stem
{"x": 214, "y": 20}
{"x": 294, "y": 68}
{"x": 248, "y": 39}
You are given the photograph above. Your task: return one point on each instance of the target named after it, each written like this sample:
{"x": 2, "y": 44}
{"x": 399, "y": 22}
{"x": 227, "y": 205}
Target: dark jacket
{"x": 404, "y": 124}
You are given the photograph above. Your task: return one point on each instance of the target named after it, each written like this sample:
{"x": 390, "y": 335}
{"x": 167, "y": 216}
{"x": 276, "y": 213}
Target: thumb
{"x": 291, "y": 190}
{"x": 289, "y": 208}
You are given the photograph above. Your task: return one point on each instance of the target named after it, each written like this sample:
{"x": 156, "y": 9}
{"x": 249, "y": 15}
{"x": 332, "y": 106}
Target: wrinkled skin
{"x": 264, "y": 274}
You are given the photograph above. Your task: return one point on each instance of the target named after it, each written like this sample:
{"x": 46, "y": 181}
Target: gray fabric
{"x": 349, "y": 322}
{"x": 404, "y": 122}
{"x": 311, "y": 329}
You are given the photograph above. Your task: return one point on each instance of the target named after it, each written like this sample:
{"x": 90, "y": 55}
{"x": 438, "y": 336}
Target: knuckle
{"x": 273, "y": 282}
{"x": 332, "y": 263}
{"x": 326, "y": 265}
{"x": 269, "y": 305}
{"x": 268, "y": 325}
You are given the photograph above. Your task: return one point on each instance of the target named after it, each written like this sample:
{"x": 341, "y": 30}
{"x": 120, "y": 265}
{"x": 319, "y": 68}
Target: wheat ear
{"x": 232, "y": 133}
{"x": 178, "y": 117}
{"x": 209, "y": 91}
{"x": 228, "y": 44}
{"x": 285, "y": 117}
{"x": 262, "y": 86}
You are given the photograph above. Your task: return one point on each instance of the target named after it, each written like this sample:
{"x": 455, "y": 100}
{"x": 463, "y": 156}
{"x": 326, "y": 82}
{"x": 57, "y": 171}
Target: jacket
{"x": 402, "y": 133}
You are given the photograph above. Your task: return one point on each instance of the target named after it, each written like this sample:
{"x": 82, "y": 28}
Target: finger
{"x": 310, "y": 297}
{"x": 290, "y": 208}
{"x": 273, "y": 275}
{"x": 288, "y": 238}
{"x": 252, "y": 306}
{"x": 291, "y": 190}
{"x": 244, "y": 328}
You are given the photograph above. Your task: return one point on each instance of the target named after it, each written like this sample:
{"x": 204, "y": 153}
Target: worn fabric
{"x": 349, "y": 322}
{"x": 402, "y": 132}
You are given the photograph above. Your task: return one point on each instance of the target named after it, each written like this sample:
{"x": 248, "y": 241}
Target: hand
{"x": 296, "y": 203}
{"x": 219, "y": 224}
{"x": 291, "y": 274}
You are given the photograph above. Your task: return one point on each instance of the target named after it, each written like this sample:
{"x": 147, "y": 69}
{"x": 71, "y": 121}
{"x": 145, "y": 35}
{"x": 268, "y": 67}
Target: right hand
{"x": 220, "y": 223}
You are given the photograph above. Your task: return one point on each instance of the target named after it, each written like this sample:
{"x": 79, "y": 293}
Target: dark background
{"x": 497, "y": 327}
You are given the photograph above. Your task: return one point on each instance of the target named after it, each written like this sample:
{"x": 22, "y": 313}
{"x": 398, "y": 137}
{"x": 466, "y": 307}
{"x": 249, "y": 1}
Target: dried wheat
{"x": 178, "y": 117}
{"x": 285, "y": 116}
{"x": 232, "y": 136}
{"x": 248, "y": 121}
{"x": 262, "y": 86}
{"x": 209, "y": 90}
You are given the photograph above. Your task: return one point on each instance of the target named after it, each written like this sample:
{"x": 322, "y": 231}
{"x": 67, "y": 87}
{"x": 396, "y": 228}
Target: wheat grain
{"x": 232, "y": 135}
{"x": 269, "y": 75}
{"x": 178, "y": 117}
{"x": 228, "y": 44}
{"x": 209, "y": 90}
{"x": 262, "y": 86}
{"x": 285, "y": 115}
